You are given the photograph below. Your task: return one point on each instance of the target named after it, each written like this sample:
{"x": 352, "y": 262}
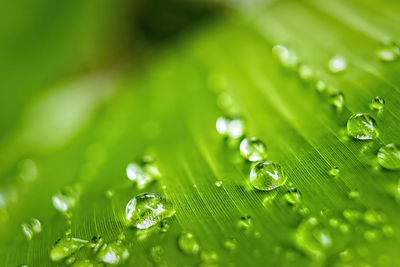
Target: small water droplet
{"x": 70, "y": 260}
{"x": 230, "y": 127}
{"x": 156, "y": 253}
{"x": 371, "y": 235}
{"x": 148, "y": 209}
{"x": 230, "y": 244}
{"x": 354, "y": 194}
{"x": 377, "y": 104}
{"x": 389, "y": 157}
{"x": 143, "y": 171}
{"x": 31, "y": 228}
{"x": 209, "y": 256}
{"x": 113, "y": 253}
{"x": 373, "y": 217}
{"x": 388, "y": 53}
{"x": 267, "y": 176}
{"x": 346, "y": 255}
{"x": 334, "y": 172}
{"x": 96, "y": 242}
{"x": 337, "y": 100}
{"x": 320, "y": 86}
{"x": 218, "y": 183}
{"x": 253, "y": 149}
{"x": 65, "y": 247}
{"x": 163, "y": 226}
{"x": 351, "y": 215}
{"x": 66, "y": 198}
{"x": 110, "y": 193}
{"x": 286, "y": 57}
{"x": 188, "y": 243}
{"x": 344, "y": 228}
{"x": 245, "y": 222}
{"x": 387, "y": 230}
{"x": 305, "y": 72}
{"x": 362, "y": 126}
{"x": 293, "y": 196}
{"x": 337, "y": 64}
{"x": 334, "y": 222}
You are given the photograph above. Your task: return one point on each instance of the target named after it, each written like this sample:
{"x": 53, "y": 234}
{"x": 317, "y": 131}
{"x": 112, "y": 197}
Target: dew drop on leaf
{"x": 334, "y": 172}
{"x": 337, "y": 100}
{"x": 253, "y": 149}
{"x": 148, "y": 209}
{"x": 230, "y": 127}
{"x": 377, "y": 103}
{"x": 337, "y": 64}
{"x": 188, "y": 244}
{"x": 389, "y": 157}
{"x": 65, "y": 247}
{"x": 292, "y": 196}
{"x": 31, "y": 228}
{"x": 362, "y": 126}
{"x": 113, "y": 253}
{"x": 267, "y": 176}
{"x": 143, "y": 172}
{"x": 245, "y": 222}
{"x": 66, "y": 198}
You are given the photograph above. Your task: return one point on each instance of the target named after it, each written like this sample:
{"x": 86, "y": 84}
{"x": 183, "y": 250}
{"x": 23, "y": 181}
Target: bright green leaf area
{"x": 87, "y": 129}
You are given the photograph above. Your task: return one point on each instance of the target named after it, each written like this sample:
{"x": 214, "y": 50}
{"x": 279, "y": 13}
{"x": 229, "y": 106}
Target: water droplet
{"x": 253, "y": 149}
{"x": 371, "y": 235}
{"x": 163, "y": 226}
{"x": 286, "y": 57}
{"x": 373, "y": 217}
{"x": 320, "y": 86}
{"x": 157, "y": 253}
{"x": 143, "y": 172}
{"x": 27, "y": 170}
{"x": 389, "y": 157}
{"x": 337, "y": 100}
{"x": 245, "y": 222}
{"x": 70, "y": 260}
{"x": 354, "y": 194}
{"x": 337, "y": 64}
{"x": 388, "y": 53}
{"x": 148, "y": 209}
{"x": 334, "y": 172}
{"x": 65, "y": 247}
{"x": 377, "y": 103}
{"x": 305, "y": 72}
{"x": 230, "y": 244}
{"x": 312, "y": 238}
{"x": 218, "y": 183}
{"x": 66, "y": 198}
{"x": 362, "y": 126}
{"x": 113, "y": 253}
{"x": 188, "y": 243}
{"x": 267, "y": 176}
{"x": 209, "y": 256}
{"x": 230, "y": 127}
{"x": 96, "y": 243}
{"x": 344, "y": 228}
{"x": 351, "y": 215}
{"x": 31, "y": 228}
{"x": 387, "y": 230}
{"x": 334, "y": 222}
{"x": 293, "y": 196}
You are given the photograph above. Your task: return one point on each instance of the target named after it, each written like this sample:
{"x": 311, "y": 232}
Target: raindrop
{"x": 66, "y": 198}
{"x": 230, "y": 127}
{"x": 218, "y": 183}
{"x": 143, "y": 172}
{"x": 334, "y": 172}
{"x": 113, "y": 253}
{"x": 337, "y": 64}
{"x": 362, "y": 126}
{"x": 65, "y": 247}
{"x": 253, "y": 149}
{"x": 96, "y": 243}
{"x": 188, "y": 243}
{"x": 377, "y": 103}
{"x": 389, "y": 157}
{"x": 293, "y": 196}
{"x": 266, "y": 176}
{"x": 337, "y": 100}
{"x": 148, "y": 209}
{"x": 31, "y": 228}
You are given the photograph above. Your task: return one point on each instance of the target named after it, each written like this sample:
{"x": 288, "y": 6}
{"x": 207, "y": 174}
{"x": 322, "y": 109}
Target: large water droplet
{"x": 65, "y": 247}
{"x": 267, "y": 176}
{"x": 113, "y": 253}
{"x": 253, "y": 149}
{"x": 362, "y": 126}
{"x": 337, "y": 64}
{"x": 143, "y": 172}
{"x": 231, "y": 127}
{"x": 148, "y": 209}
{"x": 188, "y": 243}
{"x": 377, "y": 103}
{"x": 31, "y": 228}
{"x": 389, "y": 157}
{"x": 66, "y": 198}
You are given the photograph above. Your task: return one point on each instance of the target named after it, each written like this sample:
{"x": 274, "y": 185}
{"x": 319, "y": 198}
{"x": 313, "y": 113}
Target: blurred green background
{"x": 88, "y": 86}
